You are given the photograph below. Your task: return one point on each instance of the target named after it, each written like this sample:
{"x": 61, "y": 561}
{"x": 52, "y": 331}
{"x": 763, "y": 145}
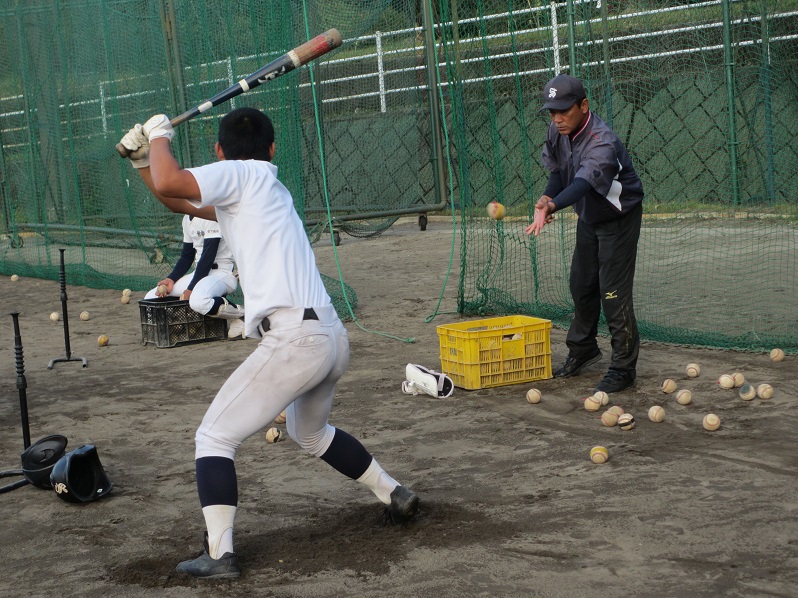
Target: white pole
{"x": 555, "y": 35}
{"x": 380, "y": 70}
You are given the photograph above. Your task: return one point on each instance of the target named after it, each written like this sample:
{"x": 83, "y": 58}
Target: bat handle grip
{"x": 122, "y": 150}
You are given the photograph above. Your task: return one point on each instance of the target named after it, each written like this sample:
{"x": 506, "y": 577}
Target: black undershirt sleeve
{"x": 184, "y": 263}
{"x": 572, "y": 193}
{"x": 209, "y": 249}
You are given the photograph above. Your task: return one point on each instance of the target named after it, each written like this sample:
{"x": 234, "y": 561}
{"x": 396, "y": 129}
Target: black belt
{"x": 310, "y": 314}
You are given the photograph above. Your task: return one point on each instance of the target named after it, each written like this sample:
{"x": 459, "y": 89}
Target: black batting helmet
{"x": 39, "y": 459}
{"x": 79, "y": 476}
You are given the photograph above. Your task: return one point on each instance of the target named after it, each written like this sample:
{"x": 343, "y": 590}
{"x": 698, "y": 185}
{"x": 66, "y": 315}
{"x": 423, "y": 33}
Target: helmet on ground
{"x": 79, "y": 476}
{"x": 39, "y": 459}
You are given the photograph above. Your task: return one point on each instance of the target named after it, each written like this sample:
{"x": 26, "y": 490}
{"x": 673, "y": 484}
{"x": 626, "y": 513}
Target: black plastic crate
{"x": 170, "y": 322}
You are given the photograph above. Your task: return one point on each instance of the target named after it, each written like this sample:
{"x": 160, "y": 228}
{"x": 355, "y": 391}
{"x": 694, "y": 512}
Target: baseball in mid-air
{"x": 764, "y": 391}
{"x": 656, "y": 414}
{"x": 693, "y": 370}
{"x": 280, "y": 419}
{"x": 609, "y": 418}
{"x": 599, "y": 454}
{"x": 273, "y": 435}
{"x": 496, "y": 210}
{"x": 533, "y": 395}
{"x": 84, "y": 315}
{"x": 739, "y": 379}
{"x": 747, "y": 392}
{"x": 592, "y": 404}
{"x": 14, "y": 277}
{"x": 602, "y": 396}
{"x": 54, "y": 316}
{"x": 776, "y": 355}
{"x": 684, "y": 397}
{"x": 711, "y": 422}
{"x": 626, "y": 421}
{"x": 668, "y": 386}
{"x": 102, "y": 341}
{"x": 726, "y": 381}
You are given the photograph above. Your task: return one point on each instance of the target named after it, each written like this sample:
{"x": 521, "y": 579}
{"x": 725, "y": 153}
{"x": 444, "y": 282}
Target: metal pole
{"x": 607, "y": 76}
{"x": 22, "y": 383}
{"x": 380, "y": 70}
{"x": 770, "y": 181}
{"x": 572, "y": 39}
{"x": 729, "y": 64}
{"x": 555, "y": 38}
{"x": 441, "y": 194}
{"x": 68, "y": 350}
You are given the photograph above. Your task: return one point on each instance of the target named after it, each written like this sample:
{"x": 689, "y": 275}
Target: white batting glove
{"x": 139, "y": 146}
{"x": 158, "y": 126}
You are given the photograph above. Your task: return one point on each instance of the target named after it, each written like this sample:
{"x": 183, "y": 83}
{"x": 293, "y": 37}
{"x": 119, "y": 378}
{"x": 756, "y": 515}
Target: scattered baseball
{"x": 162, "y": 290}
{"x": 747, "y": 392}
{"x": 693, "y": 370}
{"x": 602, "y": 396}
{"x": 592, "y": 404}
{"x": 739, "y": 379}
{"x": 599, "y": 454}
{"x": 274, "y": 435}
{"x": 125, "y": 299}
{"x": 609, "y": 418}
{"x": 533, "y": 395}
{"x": 726, "y": 381}
{"x": 684, "y": 397}
{"x": 616, "y": 409}
{"x": 55, "y": 317}
{"x": 626, "y": 421}
{"x": 711, "y": 422}
{"x": 764, "y": 391}
{"x": 656, "y": 414}
{"x": 84, "y": 315}
{"x": 280, "y": 419}
{"x": 14, "y": 277}
{"x": 127, "y": 293}
{"x": 496, "y": 210}
{"x": 668, "y": 386}
{"x": 776, "y": 355}
{"x": 102, "y": 341}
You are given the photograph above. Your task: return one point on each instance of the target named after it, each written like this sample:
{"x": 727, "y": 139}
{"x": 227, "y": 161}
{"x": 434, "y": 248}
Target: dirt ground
{"x": 511, "y": 505}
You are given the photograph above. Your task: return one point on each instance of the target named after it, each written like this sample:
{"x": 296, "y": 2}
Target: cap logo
{"x": 552, "y": 92}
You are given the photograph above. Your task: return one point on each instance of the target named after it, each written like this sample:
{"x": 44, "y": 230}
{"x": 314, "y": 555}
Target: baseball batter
{"x": 303, "y": 348}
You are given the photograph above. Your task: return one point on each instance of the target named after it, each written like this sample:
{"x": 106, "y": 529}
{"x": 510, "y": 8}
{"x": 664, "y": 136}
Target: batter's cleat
{"x": 616, "y": 380}
{"x": 235, "y": 329}
{"x": 574, "y": 365}
{"x": 204, "y": 567}
{"x": 403, "y": 507}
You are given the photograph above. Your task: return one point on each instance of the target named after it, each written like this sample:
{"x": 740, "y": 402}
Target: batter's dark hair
{"x": 246, "y": 134}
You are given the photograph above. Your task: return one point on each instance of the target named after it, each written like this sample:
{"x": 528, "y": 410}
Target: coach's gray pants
{"x": 294, "y": 368}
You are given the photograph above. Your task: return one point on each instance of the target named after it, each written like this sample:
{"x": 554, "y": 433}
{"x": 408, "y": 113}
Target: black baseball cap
{"x": 562, "y": 92}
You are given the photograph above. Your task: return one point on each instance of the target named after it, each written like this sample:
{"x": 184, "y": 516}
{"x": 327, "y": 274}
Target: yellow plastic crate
{"x": 496, "y": 351}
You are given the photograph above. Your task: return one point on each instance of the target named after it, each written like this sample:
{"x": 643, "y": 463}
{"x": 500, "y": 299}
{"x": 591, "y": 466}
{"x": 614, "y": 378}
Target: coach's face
{"x": 571, "y": 120}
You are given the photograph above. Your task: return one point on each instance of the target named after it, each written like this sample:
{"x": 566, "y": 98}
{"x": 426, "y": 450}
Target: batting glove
{"x": 158, "y": 126}
{"x": 139, "y": 146}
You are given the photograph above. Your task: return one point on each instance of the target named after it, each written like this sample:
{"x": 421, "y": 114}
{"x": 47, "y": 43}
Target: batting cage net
{"x": 426, "y": 100}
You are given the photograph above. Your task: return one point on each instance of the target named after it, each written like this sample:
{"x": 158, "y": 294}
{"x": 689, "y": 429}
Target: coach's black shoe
{"x": 616, "y": 380}
{"x": 403, "y": 507}
{"x": 574, "y": 365}
{"x": 225, "y": 567}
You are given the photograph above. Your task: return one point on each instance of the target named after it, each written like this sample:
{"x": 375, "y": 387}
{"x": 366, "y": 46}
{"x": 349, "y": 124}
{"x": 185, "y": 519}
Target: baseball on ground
{"x": 747, "y": 392}
{"x": 776, "y": 355}
{"x": 656, "y": 414}
{"x": 127, "y": 293}
{"x": 711, "y": 422}
{"x": 592, "y": 404}
{"x": 55, "y": 317}
{"x": 602, "y": 396}
{"x": 684, "y": 397}
{"x": 764, "y": 391}
{"x": 609, "y": 419}
{"x": 14, "y": 277}
{"x": 693, "y": 370}
{"x": 726, "y": 381}
{"x": 739, "y": 379}
{"x": 533, "y": 395}
{"x": 599, "y": 454}
{"x": 626, "y": 421}
{"x": 84, "y": 315}
{"x": 496, "y": 210}
{"x": 616, "y": 409}
{"x": 273, "y": 435}
{"x": 102, "y": 341}
{"x": 280, "y": 419}
{"x": 125, "y": 299}
{"x": 668, "y": 386}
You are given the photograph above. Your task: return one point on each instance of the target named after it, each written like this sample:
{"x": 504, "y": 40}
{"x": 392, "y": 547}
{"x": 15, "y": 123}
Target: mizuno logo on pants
{"x": 611, "y": 295}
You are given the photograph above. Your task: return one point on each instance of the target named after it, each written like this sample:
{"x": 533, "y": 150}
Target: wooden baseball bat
{"x": 301, "y": 55}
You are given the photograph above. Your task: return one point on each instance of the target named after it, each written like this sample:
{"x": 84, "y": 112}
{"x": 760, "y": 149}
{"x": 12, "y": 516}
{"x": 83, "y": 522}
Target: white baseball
{"x": 592, "y": 404}
{"x": 711, "y": 422}
{"x": 14, "y": 277}
{"x": 693, "y": 370}
{"x": 609, "y": 418}
{"x": 125, "y": 299}
{"x": 684, "y": 397}
{"x": 656, "y": 414}
{"x": 533, "y": 395}
{"x": 127, "y": 293}
{"x": 273, "y": 435}
{"x": 747, "y": 392}
{"x": 280, "y": 419}
{"x": 726, "y": 381}
{"x": 84, "y": 315}
{"x": 616, "y": 409}
{"x": 764, "y": 391}
{"x": 602, "y": 396}
{"x": 776, "y": 355}
{"x": 55, "y": 317}
{"x": 739, "y": 379}
{"x": 668, "y": 386}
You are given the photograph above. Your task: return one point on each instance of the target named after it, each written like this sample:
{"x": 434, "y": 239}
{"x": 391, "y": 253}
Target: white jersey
{"x": 196, "y": 230}
{"x": 276, "y": 264}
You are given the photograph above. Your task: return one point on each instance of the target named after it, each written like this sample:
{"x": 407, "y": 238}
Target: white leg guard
{"x": 420, "y": 379}
{"x": 228, "y": 311}
{"x": 379, "y": 482}
{"x": 219, "y": 521}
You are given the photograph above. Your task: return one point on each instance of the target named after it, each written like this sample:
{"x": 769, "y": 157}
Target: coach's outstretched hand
{"x": 138, "y": 144}
{"x": 158, "y": 126}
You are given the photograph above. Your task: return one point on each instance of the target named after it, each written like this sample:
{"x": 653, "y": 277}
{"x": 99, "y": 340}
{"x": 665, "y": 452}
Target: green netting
{"x": 704, "y": 96}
